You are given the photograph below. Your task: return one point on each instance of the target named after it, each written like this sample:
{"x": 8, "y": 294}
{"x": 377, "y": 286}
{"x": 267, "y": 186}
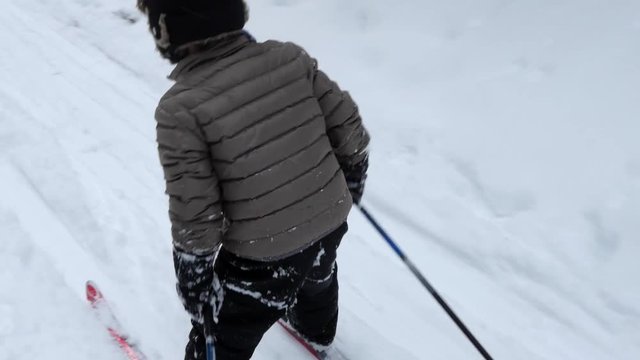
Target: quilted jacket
{"x": 253, "y": 139}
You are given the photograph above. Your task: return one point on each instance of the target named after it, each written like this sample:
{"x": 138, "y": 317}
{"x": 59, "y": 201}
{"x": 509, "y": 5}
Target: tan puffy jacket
{"x": 252, "y": 139}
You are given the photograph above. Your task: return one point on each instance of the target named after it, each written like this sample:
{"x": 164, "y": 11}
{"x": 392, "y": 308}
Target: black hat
{"x": 174, "y": 23}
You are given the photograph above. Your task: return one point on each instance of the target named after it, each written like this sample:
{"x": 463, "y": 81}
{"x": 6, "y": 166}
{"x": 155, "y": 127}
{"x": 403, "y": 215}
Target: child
{"x": 263, "y": 156}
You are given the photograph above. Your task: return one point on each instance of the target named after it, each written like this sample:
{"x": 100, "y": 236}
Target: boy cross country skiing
{"x": 263, "y": 156}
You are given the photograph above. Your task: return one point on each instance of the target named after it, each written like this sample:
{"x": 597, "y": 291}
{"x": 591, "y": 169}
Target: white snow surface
{"x": 505, "y": 161}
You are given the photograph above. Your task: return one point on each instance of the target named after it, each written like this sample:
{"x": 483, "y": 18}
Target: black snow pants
{"x": 253, "y": 295}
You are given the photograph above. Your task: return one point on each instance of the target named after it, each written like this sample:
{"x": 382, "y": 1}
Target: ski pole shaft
{"x": 211, "y": 354}
{"x": 423, "y": 280}
{"x": 208, "y": 327}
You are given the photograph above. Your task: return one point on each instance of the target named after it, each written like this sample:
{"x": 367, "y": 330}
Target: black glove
{"x": 195, "y": 284}
{"x": 196, "y": 347}
{"x": 356, "y": 175}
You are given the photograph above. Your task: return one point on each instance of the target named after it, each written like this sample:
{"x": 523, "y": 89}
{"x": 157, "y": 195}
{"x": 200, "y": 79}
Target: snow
{"x": 263, "y": 298}
{"x": 505, "y": 162}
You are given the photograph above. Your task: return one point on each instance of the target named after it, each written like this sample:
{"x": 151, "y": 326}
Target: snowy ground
{"x": 505, "y": 160}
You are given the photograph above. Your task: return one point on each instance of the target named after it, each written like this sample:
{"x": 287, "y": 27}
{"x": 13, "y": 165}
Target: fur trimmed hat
{"x": 175, "y": 23}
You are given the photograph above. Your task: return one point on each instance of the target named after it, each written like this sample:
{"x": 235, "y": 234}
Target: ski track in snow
{"x": 505, "y": 163}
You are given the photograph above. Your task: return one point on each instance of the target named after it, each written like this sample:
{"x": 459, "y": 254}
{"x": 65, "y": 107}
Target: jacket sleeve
{"x": 348, "y": 136}
{"x": 195, "y": 207}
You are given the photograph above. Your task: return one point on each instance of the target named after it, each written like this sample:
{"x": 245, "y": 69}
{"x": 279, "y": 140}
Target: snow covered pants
{"x": 253, "y": 295}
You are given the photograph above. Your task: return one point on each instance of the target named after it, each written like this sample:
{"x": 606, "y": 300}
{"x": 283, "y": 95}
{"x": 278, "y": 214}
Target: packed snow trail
{"x": 505, "y": 161}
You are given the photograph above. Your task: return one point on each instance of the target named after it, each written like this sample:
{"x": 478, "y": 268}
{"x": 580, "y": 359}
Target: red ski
{"x": 106, "y": 316}
{"x": 331, "y": 354}
{"x": 301, "y": 340}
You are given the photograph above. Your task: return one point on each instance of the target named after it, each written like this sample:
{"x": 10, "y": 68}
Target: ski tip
{"x": 93, "y": 294}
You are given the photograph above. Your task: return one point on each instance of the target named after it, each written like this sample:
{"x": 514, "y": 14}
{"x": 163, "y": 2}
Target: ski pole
{"x": 426, "y": 284}
{"x": 210, "y": 348}
{"x": 211, "y": 353}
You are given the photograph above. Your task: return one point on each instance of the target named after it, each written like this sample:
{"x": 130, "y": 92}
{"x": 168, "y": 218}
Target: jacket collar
{"x": 210, "y": 49}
